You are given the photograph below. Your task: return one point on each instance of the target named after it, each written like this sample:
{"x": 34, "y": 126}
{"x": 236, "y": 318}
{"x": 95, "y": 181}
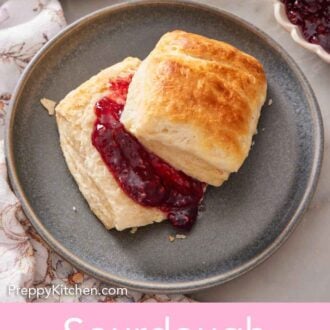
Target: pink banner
{"x": 202, "y": 316}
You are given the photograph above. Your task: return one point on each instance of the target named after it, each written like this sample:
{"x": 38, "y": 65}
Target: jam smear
{"x": 143, "y": 176}
{"x": 313, "y": 18}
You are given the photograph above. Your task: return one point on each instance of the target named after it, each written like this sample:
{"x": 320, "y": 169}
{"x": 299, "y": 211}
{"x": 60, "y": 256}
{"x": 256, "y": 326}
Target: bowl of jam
{"x": 308, "y": 22}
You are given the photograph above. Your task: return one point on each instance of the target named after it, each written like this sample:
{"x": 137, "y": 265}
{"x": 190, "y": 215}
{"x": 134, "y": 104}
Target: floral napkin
{"x": 26, "y": 261}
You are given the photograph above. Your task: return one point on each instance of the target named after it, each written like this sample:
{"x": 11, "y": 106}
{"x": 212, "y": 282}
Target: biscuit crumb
{"x": 252, "y": 144}
{"x": 49, "y": 105}
{"x": 179, "y": 236}
{"x": 76, "y": 278}
{"x": 270, "y": 102}
{"x": 133, "y": 230}
{"x": 74, "y": 209}
{"x": 171, "y": 238}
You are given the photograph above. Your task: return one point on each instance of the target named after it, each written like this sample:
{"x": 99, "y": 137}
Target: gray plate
{"x": 244, "y": 221}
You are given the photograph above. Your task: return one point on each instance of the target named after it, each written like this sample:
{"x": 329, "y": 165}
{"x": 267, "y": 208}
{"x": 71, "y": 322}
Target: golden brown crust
{"x": 205, "y": 93}
{"x": 75, "y": 118}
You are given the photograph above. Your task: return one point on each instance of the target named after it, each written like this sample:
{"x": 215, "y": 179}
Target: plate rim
{"x": 172, "y": 287}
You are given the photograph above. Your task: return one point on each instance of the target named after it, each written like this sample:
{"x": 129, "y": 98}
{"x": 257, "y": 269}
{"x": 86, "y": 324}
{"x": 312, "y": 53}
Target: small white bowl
{"x": 296, "y": 34}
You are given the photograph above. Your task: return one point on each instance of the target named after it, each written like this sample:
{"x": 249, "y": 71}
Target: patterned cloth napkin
{"x": 25, "y": 259}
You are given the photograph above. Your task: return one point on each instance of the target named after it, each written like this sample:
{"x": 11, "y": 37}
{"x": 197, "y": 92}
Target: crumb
{"x": 74, "y": 209}
{"x": 270, "y": 102}
{"x": 252, "y": 144}
{"x": 76, "y": 278}
{"x": 263, "y": 129}
{"x": 171, "y": 238}
{"x": 178, "y": 236}
{"x": 201, "y": 207}
{"x": 133, "y": 230}
{"x": 49, "y": 105}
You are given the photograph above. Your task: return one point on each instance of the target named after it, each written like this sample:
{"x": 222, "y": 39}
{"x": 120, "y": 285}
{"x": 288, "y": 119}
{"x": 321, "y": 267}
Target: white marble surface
{"x": 300, "y": 270}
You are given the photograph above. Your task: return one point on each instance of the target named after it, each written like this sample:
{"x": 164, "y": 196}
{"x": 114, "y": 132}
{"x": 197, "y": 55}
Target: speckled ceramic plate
{"x": 244, "y": 221}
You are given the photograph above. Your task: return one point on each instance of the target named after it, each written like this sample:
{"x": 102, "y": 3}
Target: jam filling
{"x": 313, "y": 18}
{"x": 143, "y": 176}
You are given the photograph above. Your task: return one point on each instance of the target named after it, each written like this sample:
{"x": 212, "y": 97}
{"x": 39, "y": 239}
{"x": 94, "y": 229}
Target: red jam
{"x": 313, "y": 18}
{"x": 143, "y": 176}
